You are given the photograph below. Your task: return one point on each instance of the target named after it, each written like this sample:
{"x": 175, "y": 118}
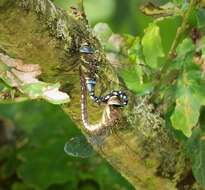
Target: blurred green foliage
{"x": 31, "y": 152}
{"x": 32, "y": 155}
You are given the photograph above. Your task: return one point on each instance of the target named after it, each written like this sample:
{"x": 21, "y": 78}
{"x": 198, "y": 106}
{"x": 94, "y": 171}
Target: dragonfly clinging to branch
{"x": 77, "y": 146}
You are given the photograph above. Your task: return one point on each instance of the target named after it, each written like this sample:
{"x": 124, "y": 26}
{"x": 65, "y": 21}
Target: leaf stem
{"x": 80, "y": 6}
{"x": 182, "y": 28}
{"x": 174, "y": 45}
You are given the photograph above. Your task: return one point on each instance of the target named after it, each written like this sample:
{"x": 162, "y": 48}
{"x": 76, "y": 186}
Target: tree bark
{"x": 139, "y": 146}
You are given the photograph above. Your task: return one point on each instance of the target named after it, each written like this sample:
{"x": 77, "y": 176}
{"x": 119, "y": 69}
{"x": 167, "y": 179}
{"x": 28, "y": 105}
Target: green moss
{"x": 149, "y": 163}
{"x": 55, "y": 19}
{"x": 158, "y": 148}
{"x": 30, "y": 42}
{"x": 4, "y": 3}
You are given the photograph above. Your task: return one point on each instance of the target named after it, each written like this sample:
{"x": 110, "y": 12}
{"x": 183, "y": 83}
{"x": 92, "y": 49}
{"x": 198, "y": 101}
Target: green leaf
{"x": 198, "y": 166}
{"x": 24, "y": 78}
{"x": 186, "y": 113}
{"x": 8, "y": 160}
{"x": 166, "y": 10}
{"x": 184, "y": 48}
{"x": 103, "y": 32}
{"x": 152, "y": 45}
{"x": 133, "y": 79}
{"x": 20, "y": 186}
{"x": 43, "y": 159}
{"x": 46, "y": 91}
{"x": 189, "y": 99}
{"x": 201, "y": 18}
{"x": 195, "y": 149}
{"x": 135, "y": 51}
{"x": 201, "y": 47}
{"x": 3, "y": 73}
{"x": 42, "y": 162}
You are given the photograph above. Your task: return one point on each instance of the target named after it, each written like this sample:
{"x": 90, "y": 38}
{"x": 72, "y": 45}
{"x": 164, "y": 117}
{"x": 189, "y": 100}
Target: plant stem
{"x": 182, "y": 28}
{"x": 171, "y": 54}
{"x": 80, "y": 6}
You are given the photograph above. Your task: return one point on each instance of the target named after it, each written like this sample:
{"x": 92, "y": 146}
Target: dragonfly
{"x": 79, "y": 146}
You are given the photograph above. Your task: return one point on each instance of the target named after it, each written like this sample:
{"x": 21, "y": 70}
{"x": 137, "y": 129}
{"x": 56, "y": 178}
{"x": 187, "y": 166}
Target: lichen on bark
{"x": 143, "y": 150}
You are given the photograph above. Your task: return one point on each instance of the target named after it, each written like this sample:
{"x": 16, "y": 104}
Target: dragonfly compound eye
{"x": 122, "y": 96}
{"x": 87, "y": 50}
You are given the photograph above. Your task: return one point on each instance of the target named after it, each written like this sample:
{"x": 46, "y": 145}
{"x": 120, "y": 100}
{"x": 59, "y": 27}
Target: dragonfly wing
{"x": 78, "y": 147}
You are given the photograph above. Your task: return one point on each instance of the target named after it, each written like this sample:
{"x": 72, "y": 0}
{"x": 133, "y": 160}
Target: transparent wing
{"x": 78, "y": 147}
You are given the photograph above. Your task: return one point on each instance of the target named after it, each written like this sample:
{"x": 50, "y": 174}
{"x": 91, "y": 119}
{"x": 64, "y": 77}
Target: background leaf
{"x": 186, "y": 112}
{"x": 201, "y": 17}
{"x": 38, "y": 156}
{"x": 132, "y": 76}
{"x": 103, "y": 32}
{"x": 195, "y": 149}
{"x": 189, "y": 99}
{"x": 152, "y": 46}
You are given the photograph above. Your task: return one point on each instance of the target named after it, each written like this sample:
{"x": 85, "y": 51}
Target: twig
{"x": 182, "y": 28}
{"x": 80, "y": 6}
{"x": 174, "y": 45}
